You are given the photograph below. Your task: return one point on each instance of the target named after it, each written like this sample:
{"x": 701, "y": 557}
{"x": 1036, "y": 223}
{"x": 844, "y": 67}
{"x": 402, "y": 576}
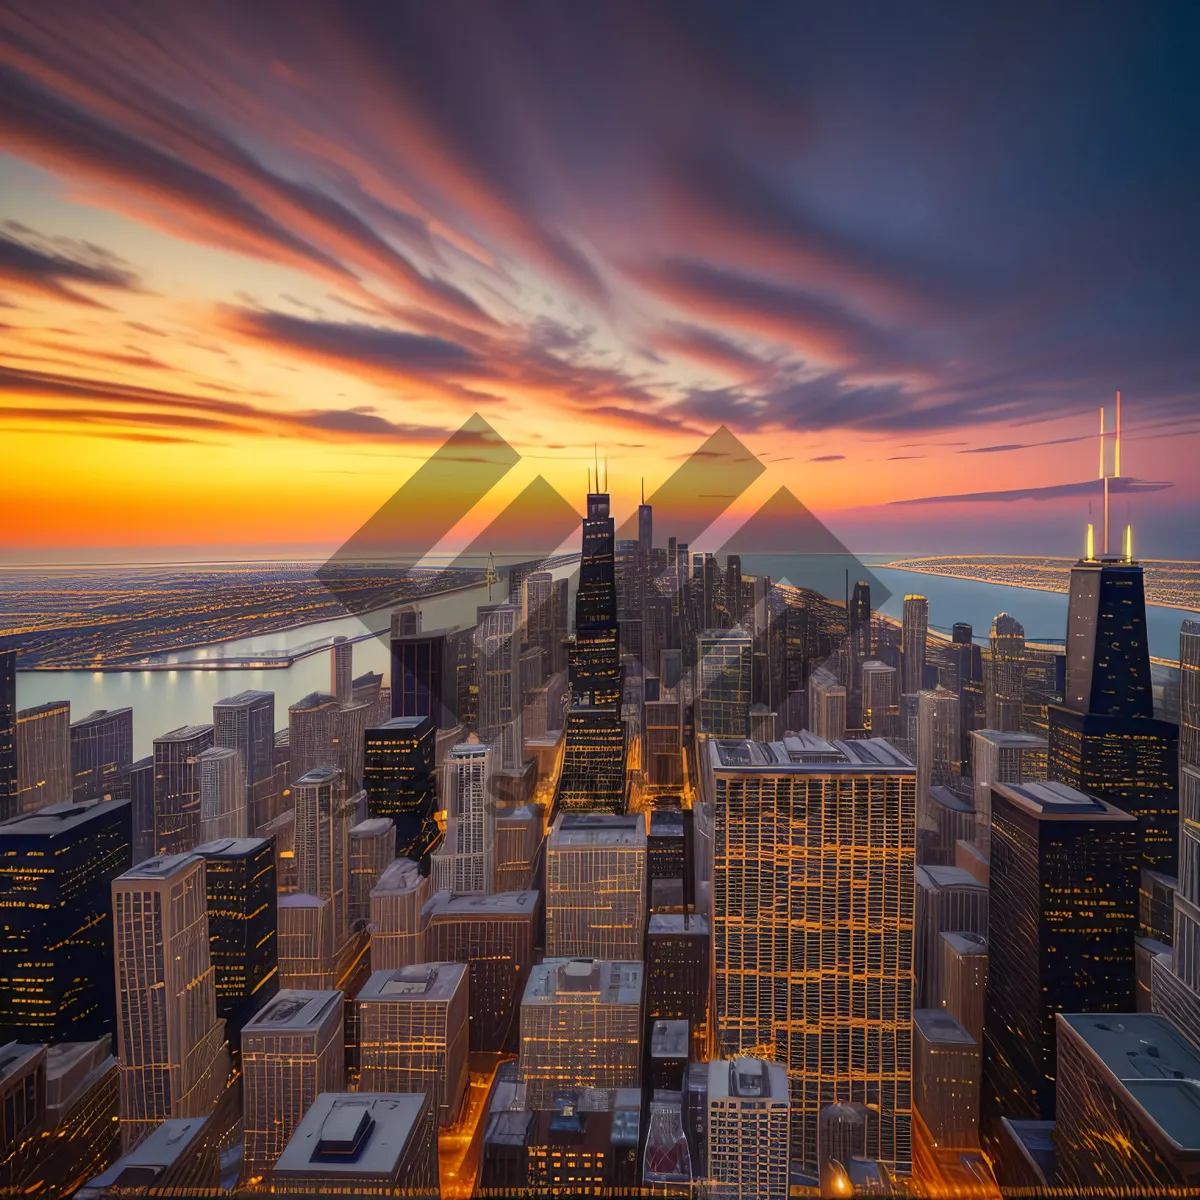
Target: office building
{"x": 1001, "y": 756}
{"x": 397, "y": 930}
{"x": 914, "y": 631}
{"x": 341, "y": 669}
{"x": 1004, "y": 674}
{"x": 222, "y": 795}
{"x": 141, "y": 801}
{"x": 596, "y": 886}
{"x": 1156, "y": 905}
{"x": 324, "y": 815}
{"x": 939, "y": 748}
{"x": 243, "y": 927}
{"x": 44, "y": 756}
{"x": 880, "y": 694}
{"x": 581, "y": 1027}
{"x": 826, "y": 705}
{"x": 663, "y": 725}
{"x": 677, "y": 970}
{"x": 362, "y": 1144}
{"x": 668, "y": 859}
{"x": 311, "y": 733}
{"x": 764, "y": 725}
{"x": 723, "y": 699}
{"x": 246, "y": 723}
{"x": 178, "y": 1157}
{"x": 308, "y": 946}
{"x": 169, "y": 1038}
{"x": 670, "y": 1049}
{"x": 748, "y": 1117}
{"x": 413, "y": 1034}
{"x": 292, "y": 1052}
{"x": 431, "y": 672}
{"x": 518, "y": 847}
{"x": 498, "y": 638}
{"x": 398, "y": 774}
{"x": 784, "y": 839}
{"x": 964, "y": 979}
{"x": 56, "y": 872}
{"x": 101, "y": 755}
{"x": 494, "y": 936}
{"x": 8, "y": 734}
{"x": 946, "y": 1074}
{"x": 372, "y": 851}
{"x": 177, "y": 788}
{"x": 949, "y": 900}
{"x": 465, "y": 860}
{"x": 667, "y": 1159}
{"x": 1128, "y": 1119}
{"x": 1060, "y": 938}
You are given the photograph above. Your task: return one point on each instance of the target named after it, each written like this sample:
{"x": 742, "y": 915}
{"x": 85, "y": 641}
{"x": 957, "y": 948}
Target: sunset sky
{"x": 258, "y": 260}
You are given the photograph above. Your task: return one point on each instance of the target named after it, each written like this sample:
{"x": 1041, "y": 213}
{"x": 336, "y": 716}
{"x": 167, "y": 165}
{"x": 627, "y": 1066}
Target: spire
{"x": 1090, "y": 553}
{"x": 1129, "y": 543}
{"x": 643, "y": 489}
{"x": 1117, "y": 451}
{"x": 596, "y": 460}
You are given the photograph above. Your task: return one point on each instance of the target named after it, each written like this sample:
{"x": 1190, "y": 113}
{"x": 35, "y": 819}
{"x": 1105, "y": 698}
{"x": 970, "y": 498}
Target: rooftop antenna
{"x": 1090, "y": 555}
{"x": 596, "y": 457}
{"x": 1129, "y": 543}
{"x": 1104, "y": 477}
{"x": 1117, "y": 451}
{"x": 643, "y": 489}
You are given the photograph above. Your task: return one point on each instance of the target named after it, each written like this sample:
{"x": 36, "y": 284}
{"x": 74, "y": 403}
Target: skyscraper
{"x": 1001, "y": 756}
{"x": 246, "y": 723}
{"x": 427, "y": 673}
{"x": 795, "y": 822}
{"x": 914, "y": 631}
{"x": 398, "y": 776}
{"x": 102, "y": 754}
{"x": 880, "y": 695}
{"x": 397, "y": 903}
{"x": 177, "y": 787}
{"x": 1063, "y": 918}
{"x": 324, "y": 815}
{"x": 8, "y": 733}
{"x": 1004, "y": 673}
{"x": 537, "y": 613}
{"x": 500, "y": 695}
{"x": 372, "y": 851}
{"x": 748, "y": 1116}
{"x": 723, "y": 680}
{"x": 44, "y": 755}
{"x": 464, "y": 861}
{"x": 949, "y": 900}
{"x": 222, "y": 794}
{"x": 939, "y": 749}
{"x": 859, "y": 623}
{"x": 341, "y": 669}
{"x": 168, "y": 1035}
{"x": 311, "y": 733}
{"x": 596, "y": 886}
{"x": 243, "y": 927}
{"x": 827, "y": 705}
{"x": 56, "y": 871}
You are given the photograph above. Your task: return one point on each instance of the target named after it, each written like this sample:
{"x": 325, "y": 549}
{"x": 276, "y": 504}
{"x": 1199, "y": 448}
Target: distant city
{"x": 650, "y": 875}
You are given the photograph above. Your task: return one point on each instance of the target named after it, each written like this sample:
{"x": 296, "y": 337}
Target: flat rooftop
{"x": 57, "y": 819}
{"x": 295, "y": 1011}
{"x": 372, "y": 827}
{"x": 15, "y": 1056}
{"x": 161, "y": 867}
{"x": 939, "y": 877}
{"x": 421, "y": 983}
{"x": 947, "y": 799}
{"x": 669, "y": 1039}
{"x": 937, "y": 1025}
{"x": 690, "y": 923}
{"x": 232, "y": 847}
{"x": 1049, "y": 800}
{"x": 1011, "y": 739}
{"x": 806, "y": 753}
{"x": 747, "y": 1078}
{"x": 185, "y": 733}
{"x": 515, "y": 904}
{"x": 966, "y": 943}
{"x": 584, "y": 980}
{"x": 666, "y": 822}
{"x": 345, "y": 1133}
{"x": 400, "y": 875}
{"x": 149, "y": 1158}
{"x": 317, "y": 776}
{"x": 597, "y": 829}
{"x": 249, "y": 696}
{"x": 402, "y": 725}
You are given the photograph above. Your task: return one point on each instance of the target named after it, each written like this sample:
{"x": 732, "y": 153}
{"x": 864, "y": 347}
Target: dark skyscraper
{"x": 432, "y": 673}
{"x": 398, "y": 777}
{"x": 8, "y": 733}
{"x": 243, "y": 938}
{"x": 593, "y": 771}
{"x": 1104, "y": 737}
{"x": 1064, "y": 883}
{"x": 102, "y": 754}
{"x": 56, "y": 958}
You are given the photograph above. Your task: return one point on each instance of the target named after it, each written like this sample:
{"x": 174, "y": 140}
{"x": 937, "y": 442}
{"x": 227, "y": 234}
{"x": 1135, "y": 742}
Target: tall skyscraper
{"x": 246, "y": 723}
{"x": 44, "y": 755}
{"x": 169, "y": 1037}
{"x": 8, "y": 733}
{"x": 397, "y": 903}
{"x": 1004, "y": 673}
{"x": 372, "y": 851}
{"x": 593, "y": 769}
{"x": 1104, "y": 737}
{"x": 946, "y": 1073}
{"x": 831, "y": 1004}
{"x": 748, "y": 1116}
{"x": 827, "y": 705}
{"x": 177, "y": 787}
{"x": 596, "y": 886}
{"x": 243, "y": 927}
{"x": 102, "y": 754}
{"x": 880, "y": 695}
{"x": 222, "y": 794}
{"x": 311, "y": 732}
{"x": 341, "y": 669}
{"x": 914, "y": 632}
{"x": 939, "y": 749}
{"x": 324, "y": 814}
{"x": 56, "y": 959}
{"x": 398, "y": 767}
{"x": 723, "y": 680}
{"x": 949, "y": 900}
{"x": 141, "y": 801}
{"x": 292, "y": 1051}
{"x": 1064, "y": 878}
{"x": 432, "y": 673}
{"x": 464, "y": 861}
{"x": 1001, "y": 756}
{"x": 537, "y": 614}
{"x": 500, "y": 694}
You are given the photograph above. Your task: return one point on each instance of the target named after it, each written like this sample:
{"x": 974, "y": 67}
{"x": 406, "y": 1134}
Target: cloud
{"x": 710, "y": 348}
{"x": 35, "y": 265}
{"x": 827, "y": 458}
{"x": 905, "y": 457}
{"x": 1091, "y": 487}
{"x": 1026, "y": 445}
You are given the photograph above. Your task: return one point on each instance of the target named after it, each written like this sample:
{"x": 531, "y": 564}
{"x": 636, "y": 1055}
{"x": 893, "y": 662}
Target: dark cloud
{"x": 31, "y": 263}
{"x": 827, "y": 458}
{"x": 1024, "y": 445}
{"x": 1090, "y": 487}
{"x": 904, "y": 457}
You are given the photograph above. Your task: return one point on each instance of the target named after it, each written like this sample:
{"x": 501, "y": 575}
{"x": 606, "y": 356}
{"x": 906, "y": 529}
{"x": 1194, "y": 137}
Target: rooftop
{"x": 695, "y": 923}
{"x": 100, "y": 714}
{"x": 295, "y": 1011}
{"x": 162, "y": 866}
{"x": 402, "y": 724}
{"x": 1049, "y": 800}
{"x": 15, "y": 1056}
{"x": 400, "y": 875}
{"x": 185, "y": 733}
{"x": 423, "y": 982}
{"x": 1011, "y": 739}
{"x": 747, "y": 1078}
{"x": 249, "y": 696}
{"x": 597, "y": 829}
{"x": 57, "y": 819}
{"x": 313, "y": 700}
{"x": 666, "y": 822}
{"x": 372, "y": 827}
{"x": 300, "y": 900}
{"x": 937, "y": 1025}
{"x": 232, "y": 847}
{"x": 363, "y": 1133}
{"x": 443, "y": 904}
{"x": 939, "y": 877}
{"x": 151, "y": 1157}
{"x": 669, "y": 1039}
{"x": 562, "y": 979}
{"x": 947, "y": 799}
{"x": 806, "y": 753}
{"x": 967, "y": 943}
{"x": 317, "y": 777}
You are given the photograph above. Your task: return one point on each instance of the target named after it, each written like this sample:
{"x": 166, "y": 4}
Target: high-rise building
{"x": 498, "y": 637}
{"x": 949, "y": 900}
{"x": 141, "y": 801}
{"x": 292, "y": 1052}
{"x": 860, "y": 647}
{"x": 964, "y": 979}
{"x": 1001, "y": 756}
{"x": 596, "y": 886}
{"x": 341, "y": 669}
{"x": 537, "y": 613}
{"x": 1060, "y": 936}
{"x": 177, "y": 788}
{"x": 308, "y": 947}
{"x": 1004, "y": 673}
{"x": 827, "y": 705}
{"x": 324, "y": 815}
{"x": 398, "y": 774}
{"x": 44, "y": 755}
{"x": 431, "y": 672}
{"x": 880, "y": 694}
{"x": 222, "y": 794}
{"x": 581, "y": 1027}
{"x": 102, "y": 754}
{"x": 946, "y": 1074}
{"x": 464, "y": 862}
{"x": 8, "y": 733}
{"x": 246, "y": 723}
{"x": 243, "y": 927}
{"x": 518, "y": 832}
{"x": 830, "y": 830}
{"x": 56, "y": 960}
{"x": 413, "y": 1034}
{"x": 397, "y": 930}
{"x": 169, "y": 1037}
{"x": 915, "y": 629}
{"x": 372, "y": 851}
{"x": 748, "y": 1115}
{"x": 939, "y": 750}
{"x": 1104, "y": 737}
{"x": 723, "y": 697}
{"x": 311, "y": 733}
{"x": 678, "y": 951}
